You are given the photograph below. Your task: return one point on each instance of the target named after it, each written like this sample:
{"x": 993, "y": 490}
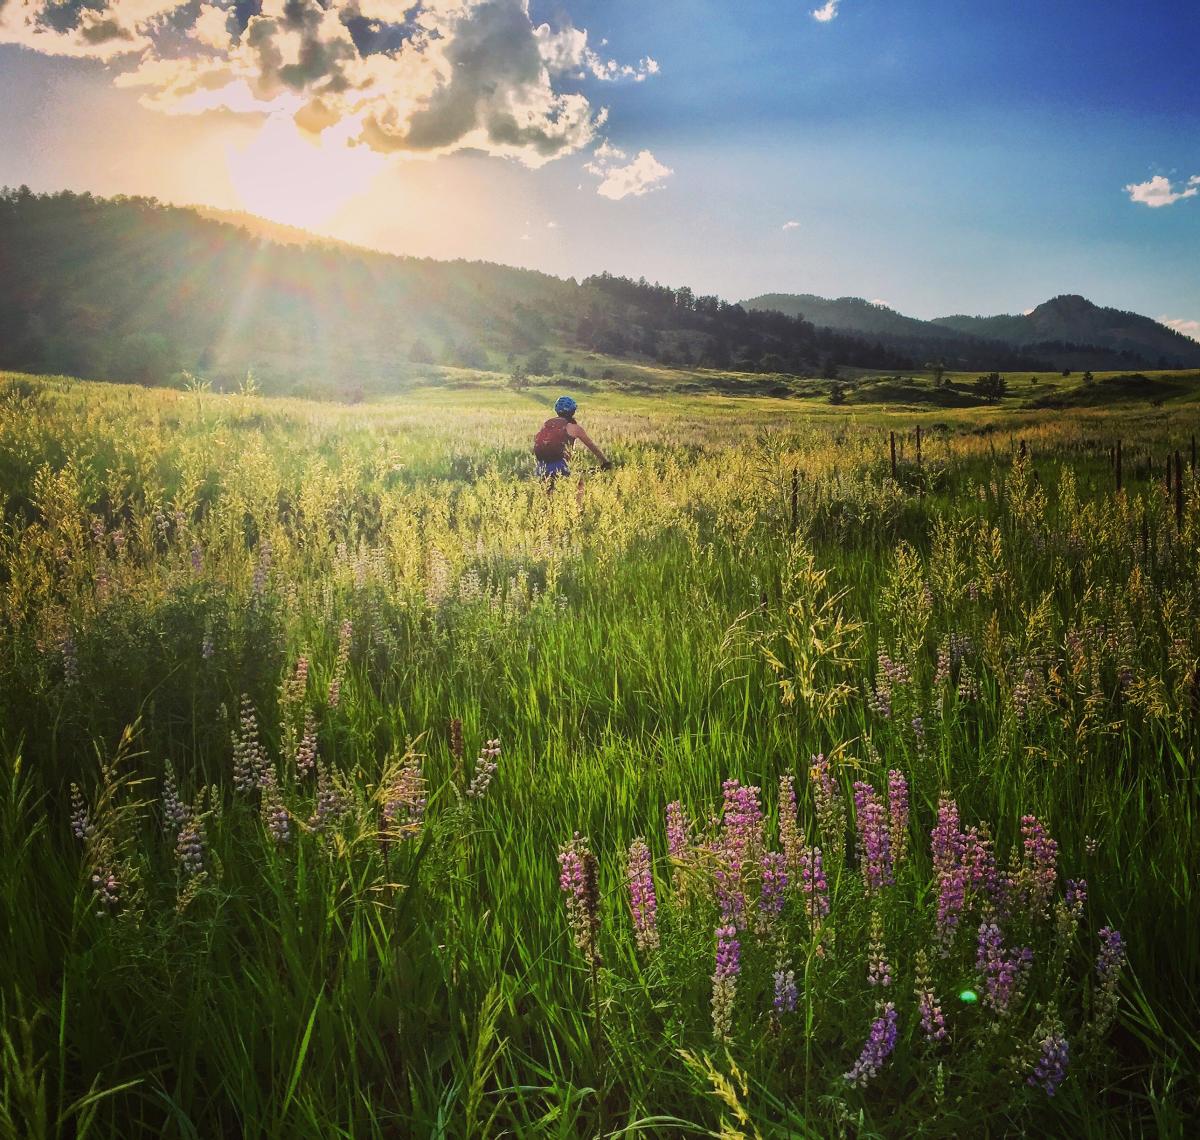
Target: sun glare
{"x": 297, "y": 178}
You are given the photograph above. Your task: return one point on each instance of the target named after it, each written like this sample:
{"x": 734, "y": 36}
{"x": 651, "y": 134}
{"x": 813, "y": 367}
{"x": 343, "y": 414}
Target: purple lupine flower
{"x": 1076, "y": 895}
{"x": 897, "y": 815}
{"x": 274, "y": 814}
{"x": 106, "y": 890}
{"x": 345, "y": 637}
{"x": 175, "y": 812}
{"x": 189, "y": 847}
{"x": 786, "y": 993}
{"x": 979, "y": 864}
{"x": 874, "y": 851}
{"x": 790, "y": 838}
{"x": 1003, "y": 971}
{"x": 1110, "y": 965}
{"x": 485, "y": 769}
{"x": 879, "y": 971}
{"x": 942, "y": 673}
{"x": 725, "y": 975}
{"x": 831, "y": 811}
{"x": 933, "y": 1021}
{"x": 879, "y": 1045}
{"x": 774, "y": 885}
{"x": 579, "y": 880}
{"x": 81, "y": 821}
{"x": 816, "y": 891}
{"x": 643, "y": 904}
{"x": 1051, "y": 1066}
{"x": 197, "y": 558}
{"x": 1038, "y": 871}
{"x": 946, "y": 848}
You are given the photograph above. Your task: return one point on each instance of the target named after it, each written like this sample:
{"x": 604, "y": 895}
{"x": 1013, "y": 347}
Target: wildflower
{"x": 879, "y": 1045}
{"x": 677, "y": 831}
{"x": 456, "y": 738}
{"x": 485, "y": 769}
{"x": 189, "y": 847}
{"x": 643, "y": 905}
{"x": 946, "y": 847}
{"x": 812, "y": 882}
{"x": 329, "y": 805}
{"x": 831, "y": 811}
{"x": 979, "y": 864}
{"x": 404, "y": 802}
{"x": 579, "y": 880}
{"x": 345, "y": 636}
{"x": 106, "y": 889}
{"x": 1110, "y": 965}
{"x": 786, "y": 993}
{"x": 1003, "y": 972}
{"x": 175, "y": 812}
{"x": 1038, "y": 872}
{"x": 874, "y": 851}
{"x": 879, "y": 972}
{"x": 1069, "y": 910}
{"x": 790, "y": 838}
{"x": 1051, "y": 1065}
{"x": 737, "y": 848}
{"x": 249, "y": 756}
{"x": 81, "y": 823}
{"x": 274, "y": 815}
{"x": 725, "y": 976}
{"x": 918, "y": 727}
{"x": 933, "y": 1022}
{"x": 306, "y": 750}
{"x": 197, "y": 558}
{"x": 897, "y": 815}
{"x": 207, "y": 647}
{"x": 773, "y": 866}
{"x": 70, "y": 660}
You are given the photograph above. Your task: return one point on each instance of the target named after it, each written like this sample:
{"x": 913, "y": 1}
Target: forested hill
{"x": 131, "y": 289}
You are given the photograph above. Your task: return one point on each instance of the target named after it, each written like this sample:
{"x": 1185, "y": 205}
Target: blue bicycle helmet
{"x": 565, "y": 406}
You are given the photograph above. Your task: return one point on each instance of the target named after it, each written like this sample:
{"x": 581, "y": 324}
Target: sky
{"x": 936, "y": 156}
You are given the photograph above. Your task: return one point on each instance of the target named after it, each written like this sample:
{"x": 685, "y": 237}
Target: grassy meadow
{"x": 912, "y": 758}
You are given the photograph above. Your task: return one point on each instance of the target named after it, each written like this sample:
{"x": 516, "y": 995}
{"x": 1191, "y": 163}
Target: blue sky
{"x": 939, "y": 156}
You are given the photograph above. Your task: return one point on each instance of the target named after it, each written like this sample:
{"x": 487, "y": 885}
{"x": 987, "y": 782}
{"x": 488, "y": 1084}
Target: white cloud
{"x": 427, "y": 77}
{"x": 790, "y": 226}
{"x": 826, "y": 12}
{"x": 620, "y": 178}
{"x": 880, "y": 301}
{"x": 1158, "y": 191}
{"x": 1179, "y": 324}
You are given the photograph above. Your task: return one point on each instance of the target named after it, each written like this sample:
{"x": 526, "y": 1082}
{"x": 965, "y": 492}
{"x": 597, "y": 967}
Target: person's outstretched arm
{"x": 577, "y": 432}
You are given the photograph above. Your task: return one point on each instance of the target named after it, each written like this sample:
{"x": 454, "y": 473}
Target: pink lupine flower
{"x": 933, "y": 1021}
{"x": 897, "y": 815}
{"x": 579, "y": 880}
{"x": 816, "y": 891}
{"x": 643, "y": 904}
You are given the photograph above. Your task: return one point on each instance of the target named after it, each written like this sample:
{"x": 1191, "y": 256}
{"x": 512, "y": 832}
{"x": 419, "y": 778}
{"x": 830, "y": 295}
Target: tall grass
{"x": 1006, "y": 630}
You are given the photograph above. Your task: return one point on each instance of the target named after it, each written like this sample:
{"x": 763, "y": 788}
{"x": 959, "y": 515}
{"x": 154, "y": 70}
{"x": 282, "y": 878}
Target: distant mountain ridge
{"x": 1064, "y": 329}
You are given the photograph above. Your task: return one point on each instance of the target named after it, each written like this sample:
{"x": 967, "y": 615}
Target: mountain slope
{"x": 1071, "y": 319}
{"x": 1067, "y": 331}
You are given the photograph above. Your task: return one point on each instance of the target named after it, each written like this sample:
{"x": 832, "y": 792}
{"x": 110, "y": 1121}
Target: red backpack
{"x": 550, "y": 443}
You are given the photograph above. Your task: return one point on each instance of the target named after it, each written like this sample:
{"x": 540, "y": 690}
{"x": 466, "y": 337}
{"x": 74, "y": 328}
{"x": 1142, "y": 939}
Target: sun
{"x": 297, "y": 178}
